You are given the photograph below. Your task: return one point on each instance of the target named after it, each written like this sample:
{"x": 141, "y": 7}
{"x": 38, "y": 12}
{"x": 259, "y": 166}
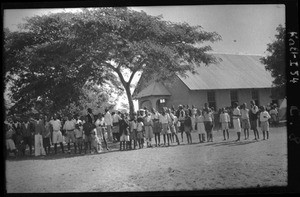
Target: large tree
{"x": 275, "y": 63}
{"x": 107, "y": 41}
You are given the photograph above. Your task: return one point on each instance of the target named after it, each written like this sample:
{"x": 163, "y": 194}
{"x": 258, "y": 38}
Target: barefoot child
{"x": 200, "y": 126}
{"x": 164, "y": 120}
{"x": 245, "y": 120}
{"x": 253, "y": 116}
{"x": 133, "y": 131}
{"x": 139, "y": 129}
{"x": 224, "y": 120}
{"x": 10, "y": 145}
{"x": 148, "y": 123}
{"x": 95, "y": 142}
{"x": 78, "y": 135}
{"x": 156, "y": 126}
{"x": 208, "y": 122}
{"x": 264, "y": 123}
{"x": 124, "y": 134}
{"x": 188, "y": 128}
{"x": 236, "y": 114}
{"x": 173, "y": 126}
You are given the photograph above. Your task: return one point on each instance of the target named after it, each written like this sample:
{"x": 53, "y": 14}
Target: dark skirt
{"x": 156, "y": 127}
{"x": 208, "y": 126}
{"x": 46, "y": 142}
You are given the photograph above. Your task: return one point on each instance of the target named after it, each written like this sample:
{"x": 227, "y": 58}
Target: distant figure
{"x": 253, "y": 117}
{"x": 188, "y": 128}
{"x": 181, "y": 118}
{"x": 164, "y": 120}
{"x": 224, "y": 120}
{"x": 109, "y": 123}
{"x": 236, "y": 120}
{"x": 57, "y": 135}
{"x": 264, "y": 123}
{"x": 156, "y": 126}
{"x": 140, "y": 129}
{"x": 208, "y": 122}
{"x": 200, "y": 126}
{"x": 78, "y": 134}
{"x": 124, "y": 132}
{"x": 133, "y": 131}
{"x": 245, "y": 120}
{"x": 148, "y": 124}
{"x": 39, "y": 128}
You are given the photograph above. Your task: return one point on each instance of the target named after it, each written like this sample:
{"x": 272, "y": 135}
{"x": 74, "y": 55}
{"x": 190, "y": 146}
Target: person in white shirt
{"x": 116, "y": 128}
{"x": 224, "y": 120}
{"x": 236, "y": 114}
{"x": 164, "y": 120}
{"x": 57, "y": 135}
{"x": 69, "y": 126}
{"x": 108, "y": 122}
{"x": 264, "y": 123}
{"x": 173, "y": 126}
{"x": 100, "y": 127}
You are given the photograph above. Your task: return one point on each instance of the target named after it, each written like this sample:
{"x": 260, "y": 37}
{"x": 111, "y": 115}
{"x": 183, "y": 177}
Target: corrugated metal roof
{"x": 231, "y": 72}
{"x": 154, "y": 89}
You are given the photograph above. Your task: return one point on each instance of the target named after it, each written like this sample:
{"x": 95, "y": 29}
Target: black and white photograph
{"x": 147, "y": 98}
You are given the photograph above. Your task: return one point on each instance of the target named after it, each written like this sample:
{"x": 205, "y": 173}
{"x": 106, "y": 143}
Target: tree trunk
{"x": 129, "y": 97}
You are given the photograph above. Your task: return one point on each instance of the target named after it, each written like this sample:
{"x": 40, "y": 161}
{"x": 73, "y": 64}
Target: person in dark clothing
{"x": 124, "y": 132}
{"x": 27, "y": 131}
{"x": 188, "y": 128}
{"x": 87, "y": 130}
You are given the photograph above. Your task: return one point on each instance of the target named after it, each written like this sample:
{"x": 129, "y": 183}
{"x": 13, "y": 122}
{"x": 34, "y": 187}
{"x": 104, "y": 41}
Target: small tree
{"x": 275, "y": 63}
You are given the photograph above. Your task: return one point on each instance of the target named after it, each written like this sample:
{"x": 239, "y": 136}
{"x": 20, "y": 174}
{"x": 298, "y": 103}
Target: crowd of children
{"x": 91, "y": 133}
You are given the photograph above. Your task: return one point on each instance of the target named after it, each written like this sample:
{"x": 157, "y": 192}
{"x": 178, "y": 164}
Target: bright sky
{"x": 244, "y": 28}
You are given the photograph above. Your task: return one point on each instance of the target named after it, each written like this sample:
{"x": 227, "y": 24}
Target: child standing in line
{"x": 124, "y": 132}
{"x": 236, "y": 114}
{"x": 95, "y": 142}
{"x": 156, "y": 126}
{"x": 274, "y": 115}
{"x": 224, "y": 120}
{"x": 164, "y": 120}
{"x": 188, "y": 128}
{"x": 245, "y": 120}
{"x": 264, "y": 123}
{"x": 87, "y": 129}
{"x": 208, "y": 122}
{"x": 139, "y": 129}
{"x": 173, "y": 127}
{"x": 133, "y": 131}
{"x": 181, "y": 117}
{"x": 200, "y": 126}
{"x": 78, "y": 135}
{"x": 10, "y": 145}
{"x": 148, "y": 123}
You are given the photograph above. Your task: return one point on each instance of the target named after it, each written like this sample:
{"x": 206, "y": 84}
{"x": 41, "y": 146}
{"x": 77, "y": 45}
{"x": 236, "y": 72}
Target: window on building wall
{"x": 211, "y": 99}
{"x": 234, "y": 96}
{"x": 255, "y": 96}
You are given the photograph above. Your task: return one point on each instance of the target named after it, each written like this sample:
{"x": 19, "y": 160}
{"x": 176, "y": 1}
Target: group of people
{"x": 91, "y": 133}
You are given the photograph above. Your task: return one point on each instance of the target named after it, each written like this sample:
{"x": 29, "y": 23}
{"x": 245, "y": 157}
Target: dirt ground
{"x": 206, "y": 166}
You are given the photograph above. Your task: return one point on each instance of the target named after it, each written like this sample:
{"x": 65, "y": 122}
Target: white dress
{"x": 200, "y": 125}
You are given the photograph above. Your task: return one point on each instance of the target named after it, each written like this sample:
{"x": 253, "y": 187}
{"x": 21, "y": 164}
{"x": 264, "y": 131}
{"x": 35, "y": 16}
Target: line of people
{"x": 92, "y": 133}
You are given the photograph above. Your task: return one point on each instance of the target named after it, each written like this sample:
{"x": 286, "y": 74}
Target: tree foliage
{"x": 275, "y": 63}
{"x": 54, "y": 55}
